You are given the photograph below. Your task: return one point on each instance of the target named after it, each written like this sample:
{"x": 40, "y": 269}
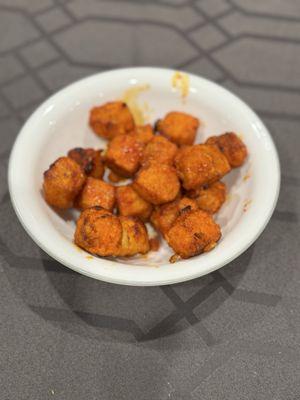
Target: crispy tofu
{"x": 111, "y": 119}
{"x": 193, "y": 233}
{"x": 231, "y": 146}
{"x": 99, "y": 232}
{"x": 96, "y": 192}
{"x": 159, "y": 150}
{"x": 90, "y": 160}
{"x": 157, "y": 184}
{"x": 165, "y": 215}
{"x": 123, "y": 155}
{"x": 179, "y": 127}
{"x": 200, "y": 165}
{"x": 62, "y": 182}
{"x": 131, "y": 204}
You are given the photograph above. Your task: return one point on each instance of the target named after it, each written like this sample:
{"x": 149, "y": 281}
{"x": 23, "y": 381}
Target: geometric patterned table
{"x": 234, "y": 334}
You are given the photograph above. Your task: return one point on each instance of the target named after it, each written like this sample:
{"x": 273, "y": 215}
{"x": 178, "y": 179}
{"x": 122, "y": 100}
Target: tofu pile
{"x": 174, "y": 184}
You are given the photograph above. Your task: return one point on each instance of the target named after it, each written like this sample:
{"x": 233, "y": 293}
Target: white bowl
{"x": 60, "y": 123}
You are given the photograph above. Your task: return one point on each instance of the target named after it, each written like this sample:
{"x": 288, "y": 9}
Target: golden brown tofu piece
{"x": 134, "y": 237}
{"x": 130, "y": 203}
{"x": 96, "y": 192}
{"x": 62, "y": 182}
{"x": 124, "y": 154}
{"x": 200, "y": 165}
{"x": 90, "y": 160}
{"x": 193, "y": 233}
{"x": 111, "y": 119}
{"x": 99, "y": 232}
{"x": 157, "y": 183}
{"x": 179, "y": 127}
{"x": 159, "y": 150}
{"x": 231, "y": 146}
{"x": 210, "y": 198}
{"x": 144, "y": 133}
{"x": 164, "y": 216}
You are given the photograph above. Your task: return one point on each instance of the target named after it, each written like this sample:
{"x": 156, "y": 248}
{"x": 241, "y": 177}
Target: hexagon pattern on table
{"x": 233, "y": 334}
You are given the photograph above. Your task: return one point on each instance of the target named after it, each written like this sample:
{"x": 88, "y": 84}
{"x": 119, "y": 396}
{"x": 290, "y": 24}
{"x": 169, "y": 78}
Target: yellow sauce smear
{"x": 89, "y": 257}
{"x": 181, "y": 82}
{"x": 77, "y": 248}
{"x": 174, "y": 258}
{"x": 139, "y": 111}
{"x": 246, "y": 177}
{"x": 228, "y": 197}
{"x": 247, "y": 205}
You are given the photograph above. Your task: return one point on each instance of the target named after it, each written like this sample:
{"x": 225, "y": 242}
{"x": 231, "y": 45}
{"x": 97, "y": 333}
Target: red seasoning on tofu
{"x": 157, "y": 183}
{"x": 170, "y": 182}
{"x": 200, "y": 165}
{"x": 159, "y": 150}
{"x": 111, "y": 120}
{"x": 62, "y": 182}
{"x": 179, "y": 127}
{"x": 231, "y": 146}
{"x": 90, "y": 160}
{"x": 96, "y": 192}
{"x": 123, "y": 155}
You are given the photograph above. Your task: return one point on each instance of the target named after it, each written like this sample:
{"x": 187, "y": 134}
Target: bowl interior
{"x": 61, "y": 123}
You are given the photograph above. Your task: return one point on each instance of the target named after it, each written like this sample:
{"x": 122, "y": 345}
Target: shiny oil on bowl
{"x": 61, "y": 123}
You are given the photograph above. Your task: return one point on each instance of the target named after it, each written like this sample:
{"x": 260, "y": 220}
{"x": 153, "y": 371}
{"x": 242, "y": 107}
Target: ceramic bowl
{"x": 61, "y": 123}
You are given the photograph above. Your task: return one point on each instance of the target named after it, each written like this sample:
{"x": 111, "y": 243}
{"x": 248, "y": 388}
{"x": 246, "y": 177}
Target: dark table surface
{"x": 234, "y": 334}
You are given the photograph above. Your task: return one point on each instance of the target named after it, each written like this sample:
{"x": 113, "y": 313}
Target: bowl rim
{"x": 137, "y": 281}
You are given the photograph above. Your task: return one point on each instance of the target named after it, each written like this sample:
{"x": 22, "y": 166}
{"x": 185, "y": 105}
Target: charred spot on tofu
{"x": 90, "y": 160}
{"x": 164, "y": 215}
{"x": 231, "y": 146}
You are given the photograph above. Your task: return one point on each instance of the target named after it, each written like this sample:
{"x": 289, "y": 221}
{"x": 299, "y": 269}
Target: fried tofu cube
{"x": 179, "y": 127}
{"x": 99, "y": 232}
{"x": 144, "y": 133}
{"x": 164, "y": 215}
{"x": 62, "y": 182}
{"x": 159, "y": 150}
{"x": 231, "y": 146}
{"x": 193, "y": 233}
{"x": 111, "y": 119}
{"x": 90, "y": 160}
{"x": 134, "y": 237}
{"x": 130, "y": 203}
{"x": 123, "y": 155}
{"x": 96, "y": 192}
{"x": 210, "y": 198}
{"x": 157, "y": 184}
{"x": 200, "y": 165}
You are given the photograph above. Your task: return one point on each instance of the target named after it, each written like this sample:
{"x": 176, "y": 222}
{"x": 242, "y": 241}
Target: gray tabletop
{"x": 234, "y": 334}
